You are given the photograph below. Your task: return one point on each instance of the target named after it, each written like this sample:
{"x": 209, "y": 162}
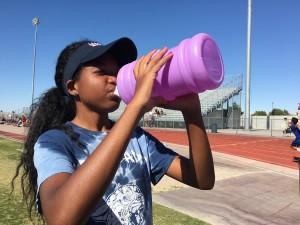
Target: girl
{"x": 82, "y": 168}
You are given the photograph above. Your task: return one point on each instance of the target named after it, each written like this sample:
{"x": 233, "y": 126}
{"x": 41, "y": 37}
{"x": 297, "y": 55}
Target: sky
{"x": 275, "y": 41}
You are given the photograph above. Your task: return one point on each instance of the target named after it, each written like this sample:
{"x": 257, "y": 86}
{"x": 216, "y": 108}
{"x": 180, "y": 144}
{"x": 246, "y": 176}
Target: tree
{"x": 279, "y": 112}
{"x": 259, "y": 113}
{"x": 235, "y": 106}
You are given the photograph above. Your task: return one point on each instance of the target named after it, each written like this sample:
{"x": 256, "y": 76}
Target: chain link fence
{"x": 212, "y": 124}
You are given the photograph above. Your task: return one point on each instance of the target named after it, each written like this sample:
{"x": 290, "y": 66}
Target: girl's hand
{"x": 145, "y": 72}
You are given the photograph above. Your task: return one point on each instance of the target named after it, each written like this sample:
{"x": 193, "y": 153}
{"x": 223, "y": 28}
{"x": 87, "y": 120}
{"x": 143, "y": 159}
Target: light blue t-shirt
{"x": 128, "y": 199}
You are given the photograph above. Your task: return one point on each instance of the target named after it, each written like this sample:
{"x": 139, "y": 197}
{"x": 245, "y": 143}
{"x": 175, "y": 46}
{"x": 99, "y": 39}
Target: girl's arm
{"x": 198, "y": 170}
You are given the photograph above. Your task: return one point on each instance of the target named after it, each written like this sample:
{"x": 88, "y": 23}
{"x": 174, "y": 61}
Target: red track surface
{"x": 17, "y": 137}
{"x": 266, "y": 149}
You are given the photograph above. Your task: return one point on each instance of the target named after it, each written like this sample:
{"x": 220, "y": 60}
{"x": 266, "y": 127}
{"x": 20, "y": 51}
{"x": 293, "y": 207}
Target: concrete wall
{"x": 225, "y": 120}
{"x": 265, "y": 122}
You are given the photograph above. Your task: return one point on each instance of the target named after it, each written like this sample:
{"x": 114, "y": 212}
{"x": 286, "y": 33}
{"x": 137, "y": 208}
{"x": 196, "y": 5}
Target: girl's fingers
{"x": 148, "y": 57}
{"x": 145, "y": 71}
{"x": 142, "y": 63}
{"x": 152, "y": 62}
{"x": 159, "y": 60}
{"x": 136, "y": 68}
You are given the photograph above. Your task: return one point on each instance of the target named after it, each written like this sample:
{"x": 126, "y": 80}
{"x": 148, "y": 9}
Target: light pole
{"x": 271, "y": 120}
{"x": 35, "y": 23}
{"x": 299, "y": 114}
{"x": 248, "y": 75}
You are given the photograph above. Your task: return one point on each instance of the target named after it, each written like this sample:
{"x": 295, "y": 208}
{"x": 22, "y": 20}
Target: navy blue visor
{"x": 123, "y": 49}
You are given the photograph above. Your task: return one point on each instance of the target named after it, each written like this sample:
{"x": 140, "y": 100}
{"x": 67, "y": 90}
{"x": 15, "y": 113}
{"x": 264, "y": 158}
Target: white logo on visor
{"x": 94, "y": 44}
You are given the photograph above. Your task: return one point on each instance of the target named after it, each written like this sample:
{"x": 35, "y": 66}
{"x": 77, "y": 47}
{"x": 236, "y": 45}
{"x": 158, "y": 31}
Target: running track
{"x": 265, "y": 149}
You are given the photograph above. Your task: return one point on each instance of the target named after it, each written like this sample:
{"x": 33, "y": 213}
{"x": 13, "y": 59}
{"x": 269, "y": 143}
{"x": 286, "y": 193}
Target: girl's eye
{"x": 100, "y": 72}
{"x": 106, "y": 72}
{"x": 103, "y": 72}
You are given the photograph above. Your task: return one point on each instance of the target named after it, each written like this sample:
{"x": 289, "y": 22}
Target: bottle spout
{"x": 116, "y": 92}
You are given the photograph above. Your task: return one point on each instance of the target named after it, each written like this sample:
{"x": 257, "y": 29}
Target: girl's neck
{"x": 93, "y": 122}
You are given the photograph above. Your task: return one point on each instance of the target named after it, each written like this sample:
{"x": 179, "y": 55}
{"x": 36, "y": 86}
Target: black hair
{"x": 50, "y": 111}
{"x": 294, "y": 120}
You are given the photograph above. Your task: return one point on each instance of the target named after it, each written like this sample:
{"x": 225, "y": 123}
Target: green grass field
{"x": 11, "y": 209}
{"x": 13, "y": 212}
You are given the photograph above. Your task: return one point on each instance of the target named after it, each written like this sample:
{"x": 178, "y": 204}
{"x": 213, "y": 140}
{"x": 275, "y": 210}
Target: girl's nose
{"x": 112, "y": 80}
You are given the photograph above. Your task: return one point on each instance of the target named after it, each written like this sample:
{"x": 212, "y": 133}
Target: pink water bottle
{"x": 196, "y": 66}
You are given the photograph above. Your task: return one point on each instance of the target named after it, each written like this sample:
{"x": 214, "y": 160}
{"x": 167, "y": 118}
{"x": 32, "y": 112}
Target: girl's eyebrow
{"x": 96, "y": 63}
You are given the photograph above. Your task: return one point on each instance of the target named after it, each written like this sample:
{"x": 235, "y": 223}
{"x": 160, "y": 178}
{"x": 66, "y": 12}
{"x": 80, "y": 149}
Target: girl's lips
{"x": 115, "y": 95}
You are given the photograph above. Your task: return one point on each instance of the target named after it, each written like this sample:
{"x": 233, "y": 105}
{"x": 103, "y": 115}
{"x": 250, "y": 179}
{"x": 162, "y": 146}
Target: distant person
{"x": 285, "y": 127}
{"x": 79, "y": 167}
{"x": 146, "y": 120}
{"x": 156, "y": 113}
{"x": 23, "y": 118}
{"x": 295, "y": 128}
{"x": 151, "y": 118}
{"x": 19, "y": 123}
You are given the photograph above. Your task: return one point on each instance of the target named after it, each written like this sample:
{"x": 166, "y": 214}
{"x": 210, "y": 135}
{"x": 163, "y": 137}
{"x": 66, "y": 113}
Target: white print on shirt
{"x": 132, "y": 157}
{"x": 127, "y": 204}
{"x": 129, "y": 157}
{"x": 80, "y": 161}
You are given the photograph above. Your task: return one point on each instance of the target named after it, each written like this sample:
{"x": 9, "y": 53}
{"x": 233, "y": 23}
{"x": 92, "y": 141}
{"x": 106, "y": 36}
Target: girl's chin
{"x": 115, "y": 105}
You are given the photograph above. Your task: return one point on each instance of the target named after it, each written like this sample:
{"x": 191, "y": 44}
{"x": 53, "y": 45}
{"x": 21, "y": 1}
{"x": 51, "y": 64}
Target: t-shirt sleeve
{"x": 293, "y": 127}
{"x": 52, "y": 156}
{"x": 160, "y": 157}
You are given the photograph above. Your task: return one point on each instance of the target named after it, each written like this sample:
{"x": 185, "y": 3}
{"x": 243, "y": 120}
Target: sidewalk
{"x": 246, "y": 191}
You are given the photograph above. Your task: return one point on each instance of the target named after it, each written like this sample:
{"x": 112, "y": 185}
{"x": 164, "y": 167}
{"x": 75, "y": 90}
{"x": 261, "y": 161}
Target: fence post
{"x": 271, "y": 126}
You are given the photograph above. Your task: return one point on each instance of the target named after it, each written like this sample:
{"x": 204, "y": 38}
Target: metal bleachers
{"x": 210, "y": 99}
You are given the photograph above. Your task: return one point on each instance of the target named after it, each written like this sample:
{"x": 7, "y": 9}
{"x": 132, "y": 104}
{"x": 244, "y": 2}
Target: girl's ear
{"x": 71, "y": 87}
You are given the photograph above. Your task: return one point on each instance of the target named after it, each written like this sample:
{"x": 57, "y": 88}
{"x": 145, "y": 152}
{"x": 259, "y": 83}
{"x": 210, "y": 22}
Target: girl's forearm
{"x": 201, "y": 160}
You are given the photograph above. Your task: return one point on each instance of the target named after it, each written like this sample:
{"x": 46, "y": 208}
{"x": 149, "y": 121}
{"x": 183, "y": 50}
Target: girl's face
{"x": 97, "y": 84}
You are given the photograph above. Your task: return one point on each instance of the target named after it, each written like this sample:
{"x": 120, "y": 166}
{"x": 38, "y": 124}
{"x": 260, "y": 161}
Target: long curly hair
{"x": 50, "y": 111}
